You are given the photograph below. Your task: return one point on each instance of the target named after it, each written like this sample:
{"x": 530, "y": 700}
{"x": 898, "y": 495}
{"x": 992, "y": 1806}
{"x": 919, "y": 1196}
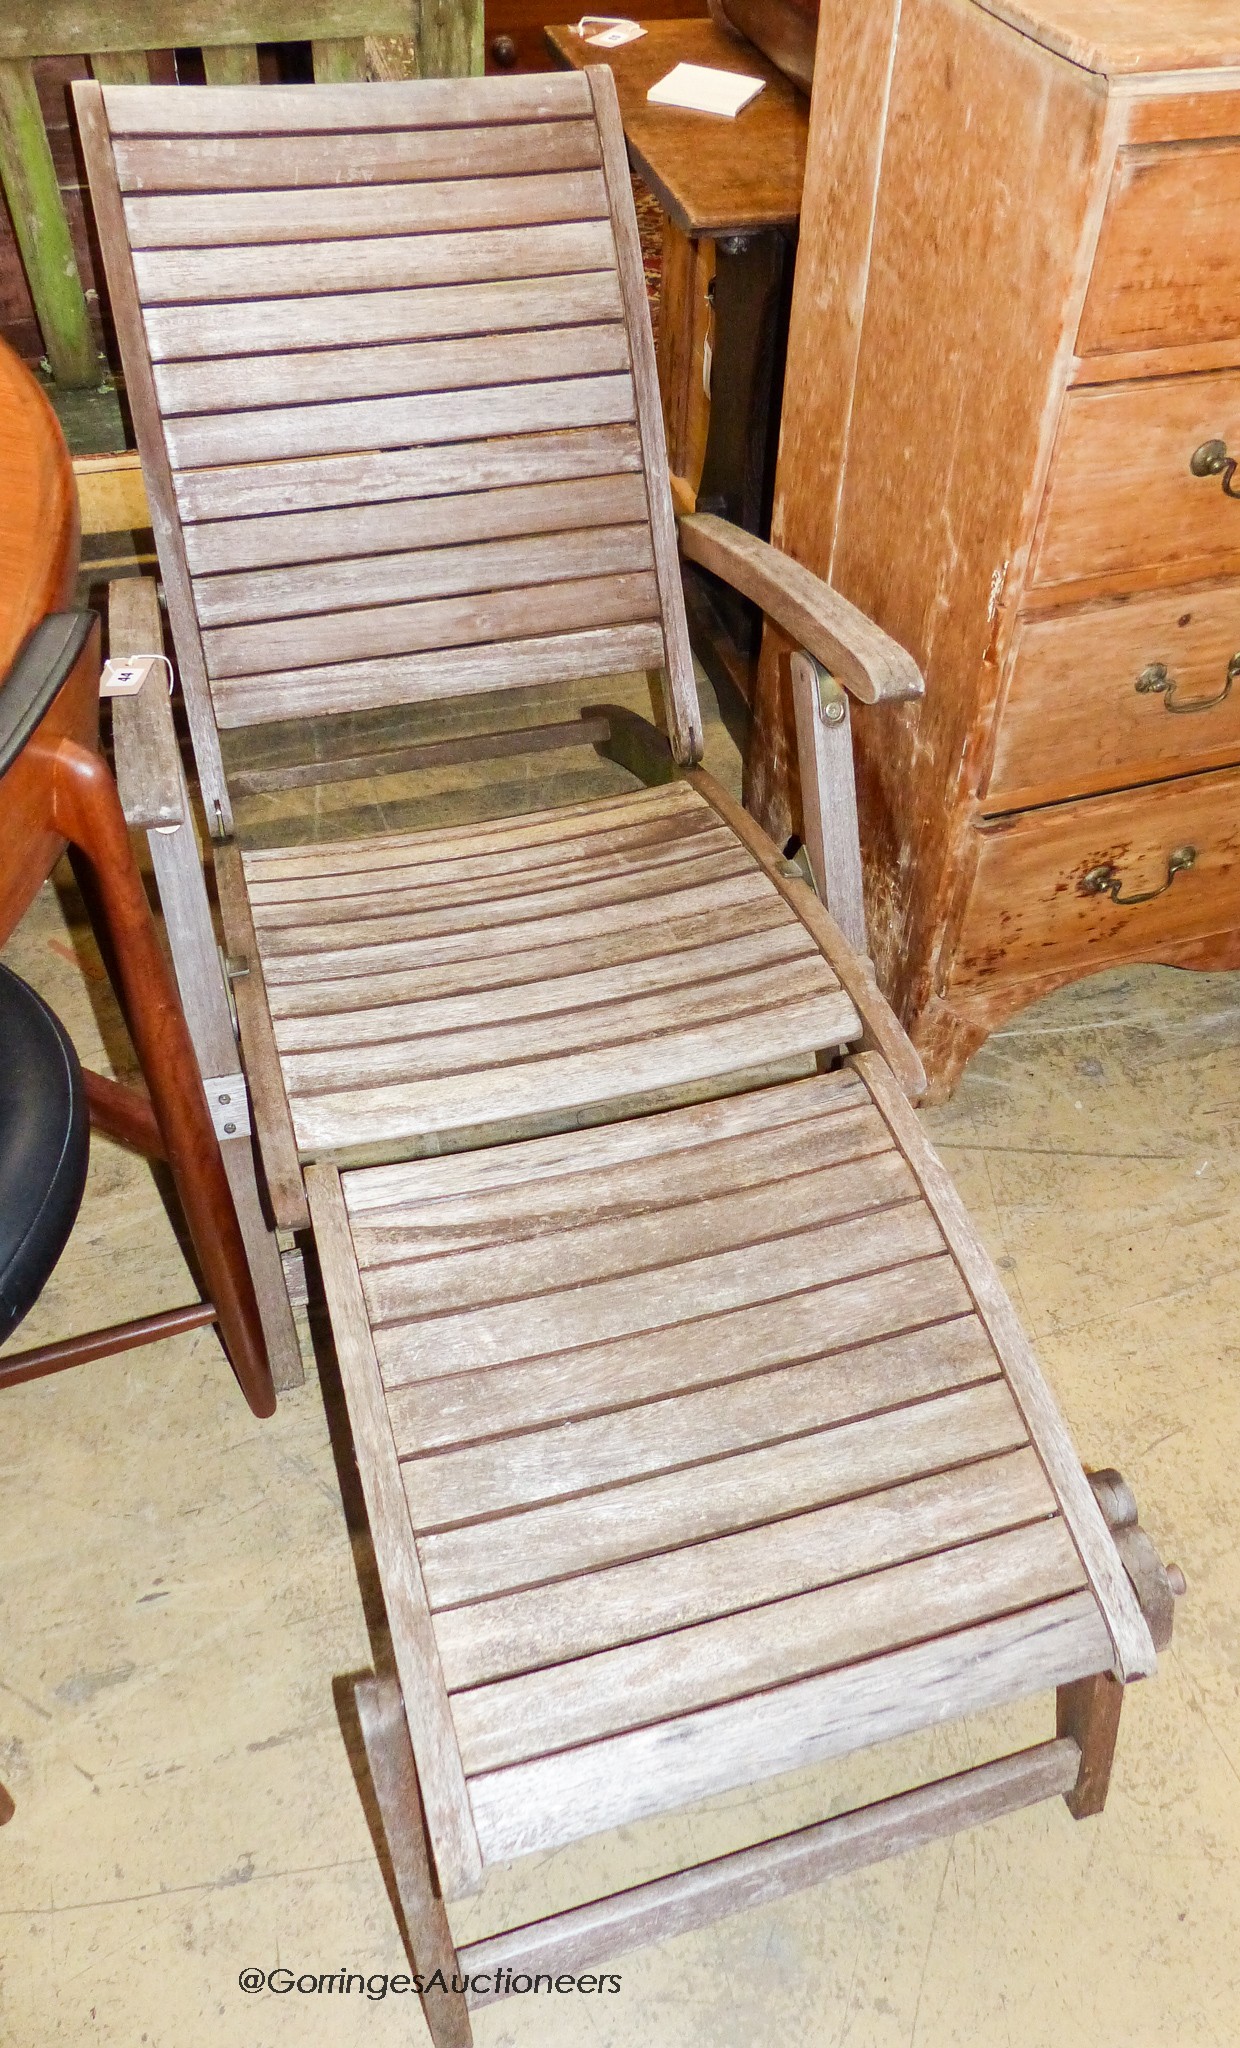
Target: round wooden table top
{"x": 38, "y": 508}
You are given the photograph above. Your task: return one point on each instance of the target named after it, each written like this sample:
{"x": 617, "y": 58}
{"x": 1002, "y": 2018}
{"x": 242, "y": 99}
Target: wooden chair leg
{"x": 1088, "y": 1711}
{"x": 88, "y": 813}
{"x": 394, "y": 1774}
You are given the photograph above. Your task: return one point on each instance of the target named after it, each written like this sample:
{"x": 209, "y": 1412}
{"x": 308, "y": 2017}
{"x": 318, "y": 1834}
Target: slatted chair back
{"x": 390, "y": 364}
{"x": 116, "y": 42}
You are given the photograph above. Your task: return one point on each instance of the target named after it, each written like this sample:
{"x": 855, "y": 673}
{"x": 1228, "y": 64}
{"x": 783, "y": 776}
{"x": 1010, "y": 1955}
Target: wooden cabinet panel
{"x": 1031, "y": 911}
{"x": 1166, "y": 269}
{"x": 1074, "y": 719}
{"x": 1122, "y": 498}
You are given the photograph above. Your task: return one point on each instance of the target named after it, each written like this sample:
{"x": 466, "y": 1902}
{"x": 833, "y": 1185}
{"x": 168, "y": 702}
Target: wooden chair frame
{"x": 414, "y": 1754}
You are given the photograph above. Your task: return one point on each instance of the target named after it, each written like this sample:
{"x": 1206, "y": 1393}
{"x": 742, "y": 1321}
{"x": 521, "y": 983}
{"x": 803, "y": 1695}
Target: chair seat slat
{"x": 747, "y": 1653}
{"x": 711, "y": 1498}
{"x": 583, "y": 1791}
{"x": 676, "y": 1589}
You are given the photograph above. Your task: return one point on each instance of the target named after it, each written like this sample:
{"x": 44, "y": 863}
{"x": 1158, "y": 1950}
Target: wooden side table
{"x": 730, "y": 192}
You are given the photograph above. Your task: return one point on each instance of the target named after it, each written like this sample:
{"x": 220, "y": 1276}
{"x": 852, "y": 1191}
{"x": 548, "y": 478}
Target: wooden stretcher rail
{"x": 585, "y": 1935}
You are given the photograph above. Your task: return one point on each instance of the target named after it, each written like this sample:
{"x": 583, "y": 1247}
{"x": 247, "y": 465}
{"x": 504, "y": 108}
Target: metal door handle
{"x": 1107, "y": 880}
{"x": 1156, "y": 681}
{"x": 1212, "y": 459}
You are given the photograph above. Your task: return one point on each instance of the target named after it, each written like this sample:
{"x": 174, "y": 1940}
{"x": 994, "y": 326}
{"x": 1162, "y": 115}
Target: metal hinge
{"x": 229, "y": 1104}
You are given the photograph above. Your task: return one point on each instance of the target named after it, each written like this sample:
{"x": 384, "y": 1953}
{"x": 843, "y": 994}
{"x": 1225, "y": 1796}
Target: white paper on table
{"x": 705, "y": 91}
{"x": 618, "y": 31}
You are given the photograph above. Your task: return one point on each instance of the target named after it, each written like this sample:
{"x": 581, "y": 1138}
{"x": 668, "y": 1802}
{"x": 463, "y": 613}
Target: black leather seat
{"x": 44, "y": 1145}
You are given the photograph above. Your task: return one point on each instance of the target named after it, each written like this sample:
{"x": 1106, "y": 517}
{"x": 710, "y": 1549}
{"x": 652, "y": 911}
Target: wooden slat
{"x": 747, "y": 1653}
{"x": 354, "y": 1020}
{"x": 527, "y": 1041}
{"x": 246, "y": 382}
{"x": 327, "y": 996}
{"x": 328, "y": 213}
{"x": 653, "y": 1240}
{"x": 1133, "y": 1648}
{"x": 924, "y": 1296}
{"x": 317, "y": 588}
{"x": 363, "y": 685}
{"x": 332, "y": 639}
{"x": 519, "y": 1471}
{"x": 578, "y": 1940}
{"x": 232, "y": 544}
{"x": 514, "y": 1169}
{"x": 713, "y": 1499}
{"x": 368, "y": 264}
{"x": 627, "y": 920}
{"x": 432, "y": 103}
{"x": 608, "y": 1309}
{"x": 245, "y": 490}
{"x": 519, "y": 888}
{"x": 374, "y": 423}
{"x": 552, "y": 826}
{"x": 583, "y": 1791}
{"x": 400, "y": 870}
{"x": 344, "y": 319}
{"x": 428, "y": 1220}
{"x": 684, "y": 711}
{"x": 413, "y": 1641}
{"x": 270, "y": 162}
{"x": 380, "y": 1115}
{"x": 678, "y": 1589}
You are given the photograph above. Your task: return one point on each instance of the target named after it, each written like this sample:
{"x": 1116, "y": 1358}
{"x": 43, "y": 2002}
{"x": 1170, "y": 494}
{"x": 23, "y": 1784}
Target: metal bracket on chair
{"x": 229, "y": 1104}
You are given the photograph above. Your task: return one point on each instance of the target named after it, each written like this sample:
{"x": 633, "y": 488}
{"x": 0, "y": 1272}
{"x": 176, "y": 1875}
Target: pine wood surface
{"x": 694, "y": 1413}
{"x": 1163, "y": 272}
{"x": 1073, "y": 720}
{"x": 1123, "y": 501}
{"x": 1141, "y": 36}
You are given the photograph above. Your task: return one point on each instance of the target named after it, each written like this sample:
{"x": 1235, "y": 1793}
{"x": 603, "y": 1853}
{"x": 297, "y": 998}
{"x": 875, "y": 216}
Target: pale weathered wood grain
{"x": 746, "y": 1653}
{"x": 561, "y": 1798}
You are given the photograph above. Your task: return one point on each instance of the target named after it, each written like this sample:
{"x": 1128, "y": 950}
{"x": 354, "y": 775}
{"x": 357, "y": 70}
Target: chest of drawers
{"x": 1012, "y": 404}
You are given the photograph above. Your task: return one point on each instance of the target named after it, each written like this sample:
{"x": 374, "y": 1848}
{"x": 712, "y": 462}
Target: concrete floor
{"x": 183, "y": 1600}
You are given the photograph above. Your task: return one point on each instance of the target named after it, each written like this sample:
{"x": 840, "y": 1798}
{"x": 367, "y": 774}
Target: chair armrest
{"x": 144, "y": 741}
{"x": 858, "y": 653}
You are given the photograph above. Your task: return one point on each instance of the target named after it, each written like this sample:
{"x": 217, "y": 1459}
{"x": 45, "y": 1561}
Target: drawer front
{"x": 1032, "y": 908}
{"x": 1122, "y": 497}
{"x": 1166, "y": 271}
{"x": 1122, "y": 693}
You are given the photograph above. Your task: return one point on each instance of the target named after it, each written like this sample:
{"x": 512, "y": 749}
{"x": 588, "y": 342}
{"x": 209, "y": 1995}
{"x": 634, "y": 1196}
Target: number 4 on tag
{"x": 124, "y": 678}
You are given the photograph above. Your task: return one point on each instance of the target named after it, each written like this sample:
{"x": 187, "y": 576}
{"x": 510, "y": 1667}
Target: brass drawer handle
{"x": 1212, "y": 459}
{"x": 1155, "y": 681}
{"x": 1107, "y": 880}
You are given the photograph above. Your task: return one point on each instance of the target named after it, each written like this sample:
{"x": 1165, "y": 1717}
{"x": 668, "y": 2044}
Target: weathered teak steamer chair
{"x": 700, "y": 1442}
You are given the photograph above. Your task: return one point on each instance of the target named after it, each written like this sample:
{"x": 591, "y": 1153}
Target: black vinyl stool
{"x": 44, "y": 1146}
